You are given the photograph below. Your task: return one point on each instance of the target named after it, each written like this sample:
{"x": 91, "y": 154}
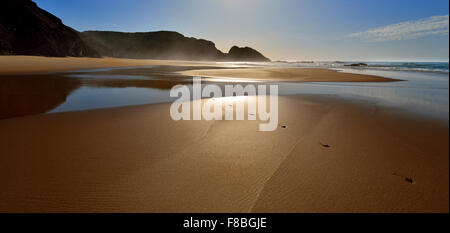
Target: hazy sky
{"x": 366, "y": 30}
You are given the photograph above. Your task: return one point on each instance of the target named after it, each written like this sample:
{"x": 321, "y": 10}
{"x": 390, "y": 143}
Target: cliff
{"x": 25, "y": 29}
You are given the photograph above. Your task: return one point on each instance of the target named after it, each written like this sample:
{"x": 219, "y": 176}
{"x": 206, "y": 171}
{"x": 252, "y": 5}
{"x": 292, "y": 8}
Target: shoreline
{"x": 27, "y": 65}
{"x": 111, "y": 160}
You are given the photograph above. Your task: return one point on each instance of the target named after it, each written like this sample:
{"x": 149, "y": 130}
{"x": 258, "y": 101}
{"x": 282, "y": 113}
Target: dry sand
{"x": 32, "y": 65}
{"x": 136, "y": 159}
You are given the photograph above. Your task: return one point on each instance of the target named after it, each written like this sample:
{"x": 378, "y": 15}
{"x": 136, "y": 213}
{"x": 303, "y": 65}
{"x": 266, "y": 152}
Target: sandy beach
{"x": 14, "y": 65}
{"x": 333, "y": 156}
{"x": 224, "y": 116}
{"x": 34, "y": 64}
{"x": 328, "y": 154}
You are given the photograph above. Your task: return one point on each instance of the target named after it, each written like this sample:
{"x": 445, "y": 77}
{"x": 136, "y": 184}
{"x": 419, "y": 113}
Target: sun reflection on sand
{"x": 230, "y": 80}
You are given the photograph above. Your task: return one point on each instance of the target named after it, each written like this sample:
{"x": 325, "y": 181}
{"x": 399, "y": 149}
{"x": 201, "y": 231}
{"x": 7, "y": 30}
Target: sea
{"x": 437, "y": 67}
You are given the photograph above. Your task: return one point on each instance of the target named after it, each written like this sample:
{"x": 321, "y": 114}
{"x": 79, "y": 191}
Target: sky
{"x": 319, "y": 30}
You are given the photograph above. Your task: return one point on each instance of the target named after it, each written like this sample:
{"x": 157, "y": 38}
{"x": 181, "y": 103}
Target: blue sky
{"x": 378, "y": 30}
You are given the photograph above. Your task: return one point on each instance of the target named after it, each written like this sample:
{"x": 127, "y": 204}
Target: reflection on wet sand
{"x": 104, "y": 88}
{"x": 28, "y": 95}
{"x": 159, "y": 77}
{"x": 36, "y": 94}
{"x": 168, "y": 73}
{"x": 121, "y": 83}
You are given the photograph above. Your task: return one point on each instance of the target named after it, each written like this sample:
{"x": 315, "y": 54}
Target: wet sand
{"x": 287, "y": 74}
{"x": 332, "y": 156}
{"x": 328, "y": 154}
{"x": 10, "y": 65}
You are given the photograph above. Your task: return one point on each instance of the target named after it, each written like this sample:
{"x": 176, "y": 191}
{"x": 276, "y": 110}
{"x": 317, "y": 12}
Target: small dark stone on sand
{"x": 409, "y": 180}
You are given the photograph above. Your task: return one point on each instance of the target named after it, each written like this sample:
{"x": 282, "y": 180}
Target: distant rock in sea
{"x": 357, "y": 64}
{"x": 25, "y": 29}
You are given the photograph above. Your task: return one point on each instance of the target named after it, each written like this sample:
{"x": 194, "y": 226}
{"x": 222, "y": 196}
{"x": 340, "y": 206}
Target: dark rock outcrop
{"x": 151, "y": 45}
{"x": 164, "y": 45}
{"x": 245, "y": 54}
{"x": 357, "y": 64}
{"x": 25, "y": 29}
